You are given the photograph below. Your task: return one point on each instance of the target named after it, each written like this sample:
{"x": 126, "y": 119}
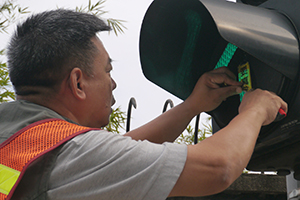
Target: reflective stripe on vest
{"x": 8, "y": 177}
{"x": 21, "y": 149}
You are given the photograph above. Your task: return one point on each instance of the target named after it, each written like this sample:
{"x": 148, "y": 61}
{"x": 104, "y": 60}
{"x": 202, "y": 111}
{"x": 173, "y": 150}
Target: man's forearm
{"x": 237, "y": 140}
{"x": 167, "y": 127}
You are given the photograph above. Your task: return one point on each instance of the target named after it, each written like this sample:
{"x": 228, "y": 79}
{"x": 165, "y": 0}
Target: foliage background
{"x": 9, "y": 12}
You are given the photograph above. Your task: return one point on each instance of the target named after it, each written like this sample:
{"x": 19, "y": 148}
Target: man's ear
{"x": 77, "y": 83}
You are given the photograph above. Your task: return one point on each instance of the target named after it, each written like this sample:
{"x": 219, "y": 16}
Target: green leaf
{"x": 116, "y": 121}
{"x": 97, "y": 9}
{"x": 116, "y": 24}
{"x": 188, "y": 138}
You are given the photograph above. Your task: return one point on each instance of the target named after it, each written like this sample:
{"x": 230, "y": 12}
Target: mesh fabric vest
{"x": 21, "y": 149}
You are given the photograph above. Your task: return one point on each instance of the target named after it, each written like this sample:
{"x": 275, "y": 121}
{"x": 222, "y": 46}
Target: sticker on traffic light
{"x": 245, "y": 78}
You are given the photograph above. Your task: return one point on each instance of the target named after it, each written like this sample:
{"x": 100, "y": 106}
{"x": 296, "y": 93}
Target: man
{"x": 60, "y": 69}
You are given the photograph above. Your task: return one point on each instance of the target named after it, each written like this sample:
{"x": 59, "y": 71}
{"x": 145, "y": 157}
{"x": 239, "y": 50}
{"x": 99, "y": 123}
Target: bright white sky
{"x": 123, "y": 49}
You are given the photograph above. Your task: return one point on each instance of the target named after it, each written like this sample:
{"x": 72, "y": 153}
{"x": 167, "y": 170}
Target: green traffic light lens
{"x": 226, "y": 56}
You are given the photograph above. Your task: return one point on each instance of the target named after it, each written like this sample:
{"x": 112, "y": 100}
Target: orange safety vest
{"x": 29, "y": 143}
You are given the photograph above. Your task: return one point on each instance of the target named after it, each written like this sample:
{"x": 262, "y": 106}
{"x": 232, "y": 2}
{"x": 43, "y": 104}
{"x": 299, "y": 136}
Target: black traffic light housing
{"x": 252, "y": 2}
{"x": 182, "y": 39}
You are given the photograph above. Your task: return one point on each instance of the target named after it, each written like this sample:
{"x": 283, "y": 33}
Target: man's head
{"x": 47, "y": 46}
{"x": 56, "y": 60}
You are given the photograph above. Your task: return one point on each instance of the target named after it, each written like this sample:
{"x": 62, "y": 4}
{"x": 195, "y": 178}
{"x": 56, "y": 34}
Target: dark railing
{"x": 132, "y": 102}
{"x": 196, "y": 129}
{"x": 169, "y": 101}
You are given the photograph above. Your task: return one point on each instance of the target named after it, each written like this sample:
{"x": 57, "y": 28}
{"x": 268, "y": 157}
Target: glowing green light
{"x": 226, "y": 56}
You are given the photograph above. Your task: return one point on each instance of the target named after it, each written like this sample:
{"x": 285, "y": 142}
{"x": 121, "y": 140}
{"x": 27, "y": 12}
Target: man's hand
{"x": 212, "y": 88}
{"x": 263, "y": 102}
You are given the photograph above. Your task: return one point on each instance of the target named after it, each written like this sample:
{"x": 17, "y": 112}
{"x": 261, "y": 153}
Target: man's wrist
{"x": 191, "y": 108}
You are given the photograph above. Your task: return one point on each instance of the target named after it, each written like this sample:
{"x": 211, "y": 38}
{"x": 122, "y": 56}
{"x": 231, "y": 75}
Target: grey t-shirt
{"x": 104, "y": 165}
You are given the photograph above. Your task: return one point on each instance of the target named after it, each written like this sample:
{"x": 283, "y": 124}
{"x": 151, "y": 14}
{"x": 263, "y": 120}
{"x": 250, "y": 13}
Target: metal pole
{"x": 132, "y": 102}
{"x": 196, "y": 129}
{"x": 169, "y": 101}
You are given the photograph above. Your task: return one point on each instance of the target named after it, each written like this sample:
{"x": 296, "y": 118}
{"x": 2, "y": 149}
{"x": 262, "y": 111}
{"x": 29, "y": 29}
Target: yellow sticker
{"x": 244, "y": 76}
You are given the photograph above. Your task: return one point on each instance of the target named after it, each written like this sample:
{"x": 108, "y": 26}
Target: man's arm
{"x": 206, "y": 96}
{"x": 216, "y": 162}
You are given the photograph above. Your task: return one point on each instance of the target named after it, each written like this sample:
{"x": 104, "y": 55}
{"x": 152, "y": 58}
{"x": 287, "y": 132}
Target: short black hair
{"x": 48, "y": 45}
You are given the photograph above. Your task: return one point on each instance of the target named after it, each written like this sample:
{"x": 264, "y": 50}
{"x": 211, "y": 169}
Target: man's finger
{"x": 228, "y": 91}
{"x": 226, "y": 71}
{"x": 223, "y": 79}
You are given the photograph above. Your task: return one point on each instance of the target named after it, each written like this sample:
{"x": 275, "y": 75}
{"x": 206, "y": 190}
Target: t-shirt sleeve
{"x": 103, "y": 165}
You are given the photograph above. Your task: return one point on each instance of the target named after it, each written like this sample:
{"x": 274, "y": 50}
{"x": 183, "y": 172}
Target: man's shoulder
{"x": 18, "y": 114}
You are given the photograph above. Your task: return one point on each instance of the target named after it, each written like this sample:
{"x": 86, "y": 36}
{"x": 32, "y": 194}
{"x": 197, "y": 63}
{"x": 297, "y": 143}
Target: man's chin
{"x": 104, "y": 124}
{"x": 113, "y": 101}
